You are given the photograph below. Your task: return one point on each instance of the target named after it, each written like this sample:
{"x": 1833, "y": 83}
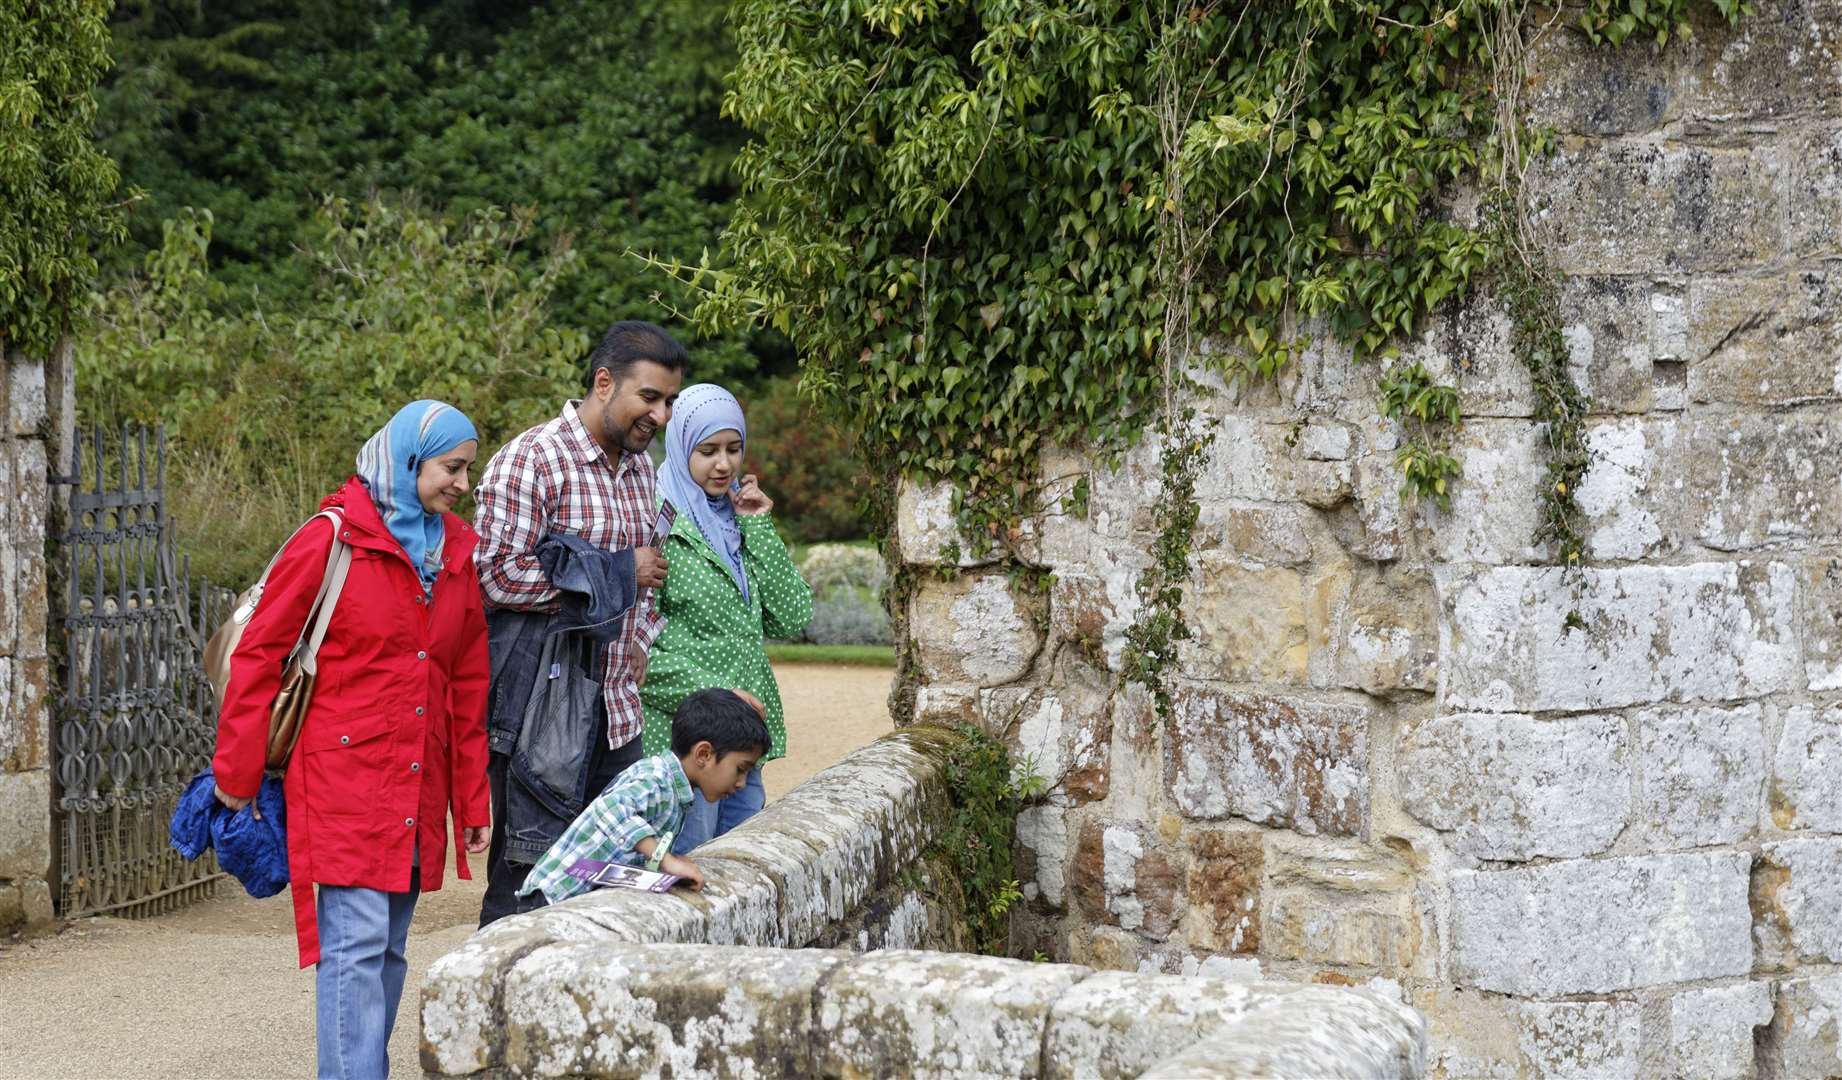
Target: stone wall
{"x": 604, "y": 1009}
{"x": 35, "y": 405}
{"x": 1605, "y": 852}
{"x": 799, "y": 958}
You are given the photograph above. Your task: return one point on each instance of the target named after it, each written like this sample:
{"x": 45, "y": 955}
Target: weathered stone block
{"x": 1249, "y": 624}
{"x": 1470, "y": 1035}
{"x": 1042, "y": 833}
{"x": 1615, "y": 328}
{"x": 1805, "y": 1038}
{"x": 1496, "y": 507}
{"x": 1115, "y": 1024}
{"x": 1806, "y": 789}
{"x": 1757, "y": 478}
{"x": 1252, "y": 459}
{"x": 25, "y": 724}
{"x": 1224, "y": 891}
{"x": 1806, "y": 896}
{"x": 1262, "y": 535}
{"x": 1081, "y": 611}
{"x": 1766, "y": 341}
{"x": 925, "y": 527}
{"x": 1514, "y": 787}
{"x": 1654, "y": 633}
{"x": 1315, "y": 1031}
{"x": 1709, "y": 1033}
{"x": 1295, "y": 762}
{"x": 1823, "y": 622}
{"x": 1782, "y": 60}
{"x": 1579, "y": 1040}
{"x": 1121, "y": 876}
{"x": 1470, "y": 345}
{"x": 25, "y": 395}
{"x": 29, "y": 507}
{"x": 1702, "y": 775}
{"x": 1630, "y": 494}
{"x": 937, "y": 1015}
{"x": 975, "y": 629}
{"x": 1816, "y": 194}
{"x": 25, "y": 824}
{"x": 615, "y": 1010}
{"x": 1373, "y": 630}
{"x": 1600, "y": 926}
{"x": 1062, "y": 734}
{"x": 1656, "y": 206}
{"x": 1344, "y": 904}
{"x": 1579, "y": 88}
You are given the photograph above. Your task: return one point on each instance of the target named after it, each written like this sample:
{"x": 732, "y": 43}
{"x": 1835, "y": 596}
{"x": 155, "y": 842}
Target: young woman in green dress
{"x": 731, "y": 587}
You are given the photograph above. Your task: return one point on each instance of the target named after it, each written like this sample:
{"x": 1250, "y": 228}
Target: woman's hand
{"x": 751, "y": 500}
{"x": 477, "y": 837}
{"x": 235, "y": 803}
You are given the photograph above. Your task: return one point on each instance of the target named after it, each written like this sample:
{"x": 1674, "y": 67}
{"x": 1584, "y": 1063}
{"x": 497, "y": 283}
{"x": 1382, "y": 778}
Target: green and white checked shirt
{"x": 649, "y": 799}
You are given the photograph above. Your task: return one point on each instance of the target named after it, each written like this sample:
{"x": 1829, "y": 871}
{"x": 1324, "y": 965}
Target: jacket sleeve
{"x": 467, "y": 696}
{"x": 513, "y": 518}
{"x": 255, "y": 666}
{"x": 786, "y": 600}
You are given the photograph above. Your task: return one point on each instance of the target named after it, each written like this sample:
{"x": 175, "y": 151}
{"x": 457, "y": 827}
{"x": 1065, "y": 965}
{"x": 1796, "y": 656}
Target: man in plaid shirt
{"x": 584, "y": 473}
{"x": 718, "y": 737}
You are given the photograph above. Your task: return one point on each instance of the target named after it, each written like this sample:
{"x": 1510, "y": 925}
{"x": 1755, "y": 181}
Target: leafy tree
{"x": 54, "y": 184}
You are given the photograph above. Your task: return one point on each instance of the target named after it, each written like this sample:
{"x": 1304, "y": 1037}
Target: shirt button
{"x": 415, "y": 766}
{"x": 422, "y": 656}
{"x": 418, "y": 710}
{"x": 409, "y": 821}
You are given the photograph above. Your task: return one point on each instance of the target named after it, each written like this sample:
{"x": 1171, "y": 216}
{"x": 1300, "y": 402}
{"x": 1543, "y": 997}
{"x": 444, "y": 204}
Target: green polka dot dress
{"x": 714, "y": 637}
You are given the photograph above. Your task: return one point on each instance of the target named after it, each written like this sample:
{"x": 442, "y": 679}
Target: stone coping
{"x": 609, "y": 1009}
{"x": 781, "y": 879}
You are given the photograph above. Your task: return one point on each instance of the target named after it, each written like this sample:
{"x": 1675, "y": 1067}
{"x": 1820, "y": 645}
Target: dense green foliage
{"x": 806, "y": 461}
{"x": 270, "y": 407}
{"x": 55, "y": 185}
{"x": 986, "y": 791}
{"x": 602, "y": 116}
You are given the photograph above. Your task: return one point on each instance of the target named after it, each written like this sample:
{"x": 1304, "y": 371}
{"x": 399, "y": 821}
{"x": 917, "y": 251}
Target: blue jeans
{"x": 359, "y": 979}
{"x": 708, "y": 820}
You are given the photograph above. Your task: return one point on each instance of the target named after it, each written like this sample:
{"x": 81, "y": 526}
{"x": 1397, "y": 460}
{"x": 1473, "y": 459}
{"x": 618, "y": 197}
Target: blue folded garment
{"x": 254, "y": 852}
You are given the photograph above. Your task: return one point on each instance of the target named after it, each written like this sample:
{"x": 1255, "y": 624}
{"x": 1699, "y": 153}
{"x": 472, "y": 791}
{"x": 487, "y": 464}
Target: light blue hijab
{"x": 388, "y": 464}
{"x": 702, "y": 411}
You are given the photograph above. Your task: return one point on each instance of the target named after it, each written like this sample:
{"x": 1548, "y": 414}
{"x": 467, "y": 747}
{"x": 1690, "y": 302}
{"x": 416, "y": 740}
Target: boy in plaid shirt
{"x": 718, "y": 736}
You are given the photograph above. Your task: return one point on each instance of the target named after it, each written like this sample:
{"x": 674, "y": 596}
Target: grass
{"x": 859, "y": 655}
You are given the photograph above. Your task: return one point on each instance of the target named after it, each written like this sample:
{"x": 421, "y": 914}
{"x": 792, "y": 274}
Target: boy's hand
{"x": 477, "y": 837}
{"x": 684, "y": 868}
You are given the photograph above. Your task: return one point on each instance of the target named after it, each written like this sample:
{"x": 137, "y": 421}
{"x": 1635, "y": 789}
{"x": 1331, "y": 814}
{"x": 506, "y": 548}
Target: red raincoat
{"x": 395, "y": 737}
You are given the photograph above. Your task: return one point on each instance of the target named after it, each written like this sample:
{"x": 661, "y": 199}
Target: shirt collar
{"x": 681, "y": 784}
{"x": 587, "y": 451}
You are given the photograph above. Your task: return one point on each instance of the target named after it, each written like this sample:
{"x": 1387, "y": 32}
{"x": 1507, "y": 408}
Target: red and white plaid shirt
{"x": 554, "y": 479}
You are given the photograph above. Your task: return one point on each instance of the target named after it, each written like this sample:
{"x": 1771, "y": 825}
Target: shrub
{"x": 831, "y": 566}
{"x": 843, "y": 619}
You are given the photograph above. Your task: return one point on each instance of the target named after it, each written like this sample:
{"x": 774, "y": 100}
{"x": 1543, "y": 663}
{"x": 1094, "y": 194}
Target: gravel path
{"x": 213, "y": 991}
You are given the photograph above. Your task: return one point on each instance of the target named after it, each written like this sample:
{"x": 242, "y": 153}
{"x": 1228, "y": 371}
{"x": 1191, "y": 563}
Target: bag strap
{"x": 332, "y": 580}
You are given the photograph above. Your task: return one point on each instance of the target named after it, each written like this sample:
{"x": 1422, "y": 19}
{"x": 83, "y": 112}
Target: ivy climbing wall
{"x": 1589, "y": 821}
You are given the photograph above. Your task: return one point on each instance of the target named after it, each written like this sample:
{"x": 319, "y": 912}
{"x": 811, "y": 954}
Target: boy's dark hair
{"x": 721, "y": 719}
{"x": 627, "y": 343}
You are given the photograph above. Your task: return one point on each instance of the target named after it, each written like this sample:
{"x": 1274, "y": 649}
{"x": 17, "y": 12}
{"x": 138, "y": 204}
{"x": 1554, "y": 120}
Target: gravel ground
{"x": 213, "y": 991}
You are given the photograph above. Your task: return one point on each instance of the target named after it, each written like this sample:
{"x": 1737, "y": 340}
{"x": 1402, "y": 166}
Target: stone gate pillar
{"x": 36, "y": 414}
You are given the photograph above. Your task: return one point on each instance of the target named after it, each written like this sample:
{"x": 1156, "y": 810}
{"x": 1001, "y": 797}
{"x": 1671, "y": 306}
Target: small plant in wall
{"x": 1428, "y": 414}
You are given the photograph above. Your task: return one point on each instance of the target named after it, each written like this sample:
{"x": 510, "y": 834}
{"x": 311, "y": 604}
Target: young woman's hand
{"x": 751, "y": 500}
{"x": 684, "y": 868}
{"x": 477, "y": 837}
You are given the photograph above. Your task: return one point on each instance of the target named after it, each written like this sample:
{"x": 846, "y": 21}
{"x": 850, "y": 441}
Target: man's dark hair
{"x": 721, "y": 719}
{"x": 627, "y": 343}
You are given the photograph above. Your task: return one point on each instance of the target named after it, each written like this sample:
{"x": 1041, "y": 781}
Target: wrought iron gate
{"x": 135, "y": 717}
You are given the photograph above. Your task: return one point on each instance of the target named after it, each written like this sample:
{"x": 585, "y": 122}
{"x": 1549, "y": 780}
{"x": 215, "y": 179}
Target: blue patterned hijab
{"x": 388, "y": 464}
{"x": 702, "y": 411}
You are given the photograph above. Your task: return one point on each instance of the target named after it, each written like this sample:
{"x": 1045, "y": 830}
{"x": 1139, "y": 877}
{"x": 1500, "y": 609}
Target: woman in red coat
{"x": 395, "y": 736}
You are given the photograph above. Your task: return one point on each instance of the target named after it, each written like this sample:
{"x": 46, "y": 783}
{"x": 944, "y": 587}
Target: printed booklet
{"x": 615, "y": 876}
